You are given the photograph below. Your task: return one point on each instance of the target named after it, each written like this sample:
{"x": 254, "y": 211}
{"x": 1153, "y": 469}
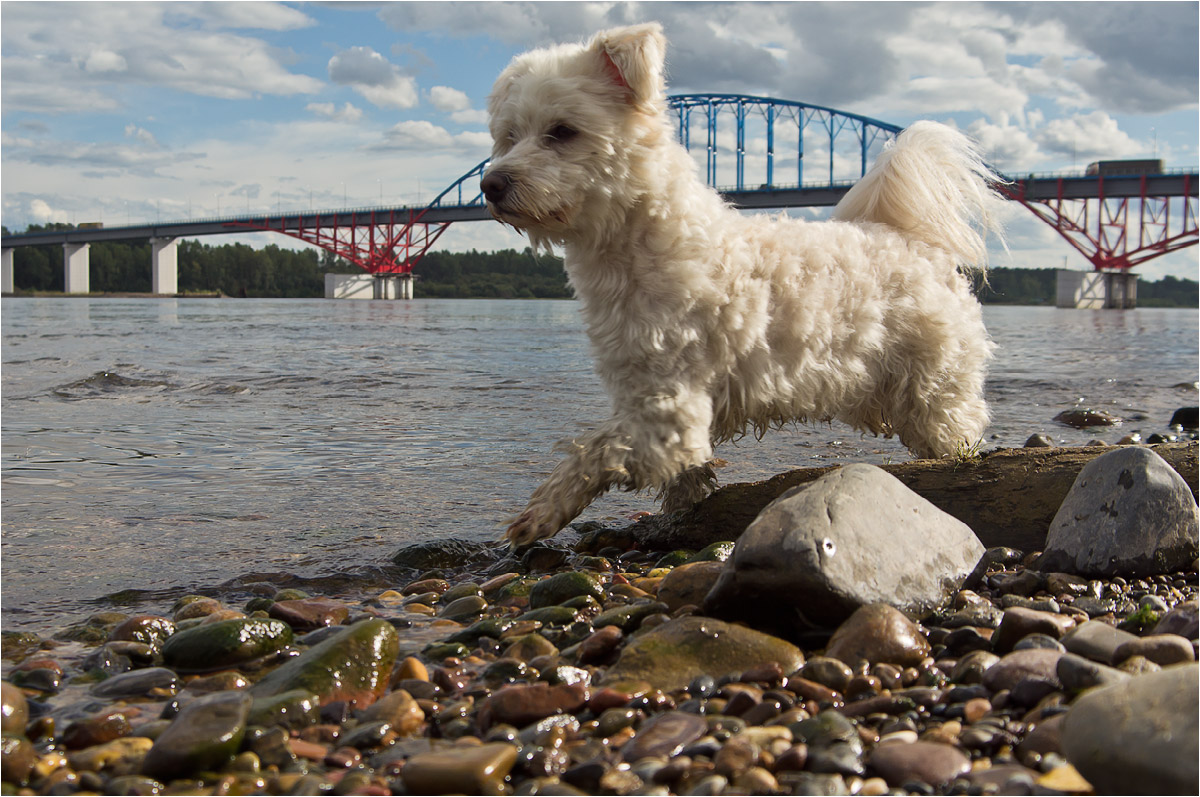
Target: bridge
{"x": 812, "y": 155}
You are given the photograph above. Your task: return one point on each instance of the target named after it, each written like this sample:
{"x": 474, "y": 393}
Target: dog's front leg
{"x": 646, "y": 446}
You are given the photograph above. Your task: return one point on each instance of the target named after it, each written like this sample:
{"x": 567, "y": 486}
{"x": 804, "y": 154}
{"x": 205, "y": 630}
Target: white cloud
{"x": 328, "y": 110}
{"x": 370, "y": 74}
{"x": 104, "y": 61}
{"x": 422, "y": 134}
{"x": 445, "y": 98}
{"x": 42, "y": 213}
{"x": 1088, "y": 137}
{"x": 52, "y": 61}
{"x": 140, "y": 134}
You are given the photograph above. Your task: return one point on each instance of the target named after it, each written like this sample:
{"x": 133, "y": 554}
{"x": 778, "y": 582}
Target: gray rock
{"x": 136, "y": 683}
{"x": 1139, "y": 736}
{"x": 1128, "y": 513}
{"x": 1078, "y": 673}
{"x": 1182, "y": 620}
{"x": 1096, "y": 641}
{"x": 853, "y": 537}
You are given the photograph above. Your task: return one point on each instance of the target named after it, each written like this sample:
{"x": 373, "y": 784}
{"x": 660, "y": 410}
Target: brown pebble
{"x": 600, "y": 645}
{"x": 411, "y": 667}
{"x": 793, "y": 759}
{"x": 976, "y": 709}
{"x": 735, "y": 757}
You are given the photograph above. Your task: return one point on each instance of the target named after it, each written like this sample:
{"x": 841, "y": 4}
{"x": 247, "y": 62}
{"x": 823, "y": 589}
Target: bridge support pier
{"x": 164, "y": 265}
{"x": 76, "y": 278}
{"x": 1097, "y": 290}
{"x": 6, "y": 271}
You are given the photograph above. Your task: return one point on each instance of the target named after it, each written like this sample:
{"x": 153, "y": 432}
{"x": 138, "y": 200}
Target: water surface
{"x": 175, "y": 444}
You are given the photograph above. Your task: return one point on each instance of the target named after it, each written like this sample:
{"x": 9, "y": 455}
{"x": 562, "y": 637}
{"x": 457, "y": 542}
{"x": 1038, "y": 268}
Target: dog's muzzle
{"x": 495, "y": 187}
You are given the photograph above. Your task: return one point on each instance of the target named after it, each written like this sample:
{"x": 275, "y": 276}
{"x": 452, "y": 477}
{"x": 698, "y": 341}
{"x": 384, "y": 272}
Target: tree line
{"x": 241, "y": 270}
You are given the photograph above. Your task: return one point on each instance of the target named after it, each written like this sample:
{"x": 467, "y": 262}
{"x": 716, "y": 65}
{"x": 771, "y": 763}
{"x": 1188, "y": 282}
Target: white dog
{"x": 706, "y": 323}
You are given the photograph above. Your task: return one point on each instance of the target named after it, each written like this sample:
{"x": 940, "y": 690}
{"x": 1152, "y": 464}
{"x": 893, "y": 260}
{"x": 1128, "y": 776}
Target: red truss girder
{"x": 1108, "y": 233}
{"x": 377, "y": 241}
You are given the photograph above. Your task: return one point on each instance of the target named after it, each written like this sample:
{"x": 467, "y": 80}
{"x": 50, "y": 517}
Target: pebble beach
{"x": 589, "y": 665}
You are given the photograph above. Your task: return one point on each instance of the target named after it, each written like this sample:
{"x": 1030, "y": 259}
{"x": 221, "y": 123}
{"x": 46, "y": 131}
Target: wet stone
{"x": 878, "y": 633}
{"x": 828, "y": 671}
{"x": 96, "y": 729}
{"x": 561, "y": 587}
{"x": 926, "y": 762}
{"x": 227, "y": 643}
{"x": 520, "y": 705}
{"x": 148, "y": 629}
{"x": 306, "y": 614}
{"x": 672, "y": 654}
{"x": 14, "y": 709}
{"x": 354, "y": 664}
{"x": 665, "y": 735}
{"x": 460, "y": 769}
{"x": 137, "y": 683}
{"x": 688, "y": 584}
{"x": 205, "y": 734}
{"x": 1183, "y": 620}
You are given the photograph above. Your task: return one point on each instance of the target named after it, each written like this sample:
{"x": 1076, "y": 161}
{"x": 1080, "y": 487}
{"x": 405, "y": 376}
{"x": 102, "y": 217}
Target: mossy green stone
{"x": 353, "y": 664}
{"x": 259, "y": 604}
{"x": 489, "y": 626}
{"x": 436, "y": 651}
{"x": 671, "y": 655}
{"x": 291, "y": 594}
{"x": 628, "y": 618}
{"x": 552, "y": 615}
{"x": 205, "y": 734}
{"x": 563, "y": 586}
{"x": 518, "y": 588}
{"x": 675, "y": 558}
{"x": 717, "y": 552}
{"x": 461, "y": 591}
{"x": 227, "y": 643}
{"x": 293, "y": 710}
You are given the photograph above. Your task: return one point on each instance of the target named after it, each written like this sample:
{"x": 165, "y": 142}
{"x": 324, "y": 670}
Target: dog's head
{"x": 570, "y": 124}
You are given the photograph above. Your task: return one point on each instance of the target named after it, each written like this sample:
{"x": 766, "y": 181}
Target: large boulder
{"x": 854, "y": 537}
{"x": 1138, "y": 736}
{"x": 1129, "y": 514}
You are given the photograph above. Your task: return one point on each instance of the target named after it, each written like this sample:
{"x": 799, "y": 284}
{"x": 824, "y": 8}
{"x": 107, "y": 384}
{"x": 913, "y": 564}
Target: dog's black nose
{"x": 495, "y": 186}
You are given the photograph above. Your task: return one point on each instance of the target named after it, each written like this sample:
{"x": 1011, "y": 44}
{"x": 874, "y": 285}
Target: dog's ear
{"x": 633, "y": 58}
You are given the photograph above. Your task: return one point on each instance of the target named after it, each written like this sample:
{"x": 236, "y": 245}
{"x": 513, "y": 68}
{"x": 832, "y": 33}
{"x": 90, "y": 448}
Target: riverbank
{"x": 596, "y": 663}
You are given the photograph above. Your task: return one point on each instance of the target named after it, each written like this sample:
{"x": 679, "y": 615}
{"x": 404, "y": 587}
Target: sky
{"x": 136, "y": 112}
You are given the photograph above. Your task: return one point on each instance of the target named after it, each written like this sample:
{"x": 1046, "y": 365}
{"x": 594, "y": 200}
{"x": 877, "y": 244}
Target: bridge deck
{"x": 1035, "y": 187}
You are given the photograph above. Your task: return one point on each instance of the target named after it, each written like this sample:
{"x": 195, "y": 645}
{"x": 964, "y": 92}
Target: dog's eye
{"x": 560, "y": 134}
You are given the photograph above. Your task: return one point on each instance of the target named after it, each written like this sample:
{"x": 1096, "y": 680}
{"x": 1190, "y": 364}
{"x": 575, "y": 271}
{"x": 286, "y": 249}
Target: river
{"x": 166, "y": 445}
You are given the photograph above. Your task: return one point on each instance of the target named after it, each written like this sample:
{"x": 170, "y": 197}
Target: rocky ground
{"x": 833, "y": 650}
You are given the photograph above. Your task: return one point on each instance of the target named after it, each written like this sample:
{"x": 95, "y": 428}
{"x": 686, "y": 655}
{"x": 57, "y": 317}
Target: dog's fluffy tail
{"x": 932, "y": 185}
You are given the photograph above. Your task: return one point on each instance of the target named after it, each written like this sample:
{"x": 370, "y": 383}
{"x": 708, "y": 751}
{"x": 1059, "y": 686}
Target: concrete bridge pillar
{"x": 75, "y": 268}
{"x": 6, "y": 271}
{"x": 406, "y": 286}
{"x": 164, "y": 265}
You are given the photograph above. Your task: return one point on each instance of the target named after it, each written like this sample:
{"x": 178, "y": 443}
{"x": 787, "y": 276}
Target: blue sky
{"x": 122, "y": 112}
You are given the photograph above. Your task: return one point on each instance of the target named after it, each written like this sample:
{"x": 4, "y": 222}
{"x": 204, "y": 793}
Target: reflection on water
{"x": 160, "y": 444}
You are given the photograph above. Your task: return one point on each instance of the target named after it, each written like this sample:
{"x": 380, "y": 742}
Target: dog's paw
{"x": 531, "y": 526}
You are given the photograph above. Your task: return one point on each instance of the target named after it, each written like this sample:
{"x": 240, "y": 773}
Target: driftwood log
{"x": 1008, "y": 497}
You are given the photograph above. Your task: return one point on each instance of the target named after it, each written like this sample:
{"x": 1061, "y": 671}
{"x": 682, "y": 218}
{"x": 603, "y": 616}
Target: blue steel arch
{"x": 826, "y": 125}
{"x": 865, "y": 132}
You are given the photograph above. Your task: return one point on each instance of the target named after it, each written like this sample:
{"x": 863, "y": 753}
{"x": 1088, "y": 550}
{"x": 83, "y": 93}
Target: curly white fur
{"x": 706, "y": 323}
